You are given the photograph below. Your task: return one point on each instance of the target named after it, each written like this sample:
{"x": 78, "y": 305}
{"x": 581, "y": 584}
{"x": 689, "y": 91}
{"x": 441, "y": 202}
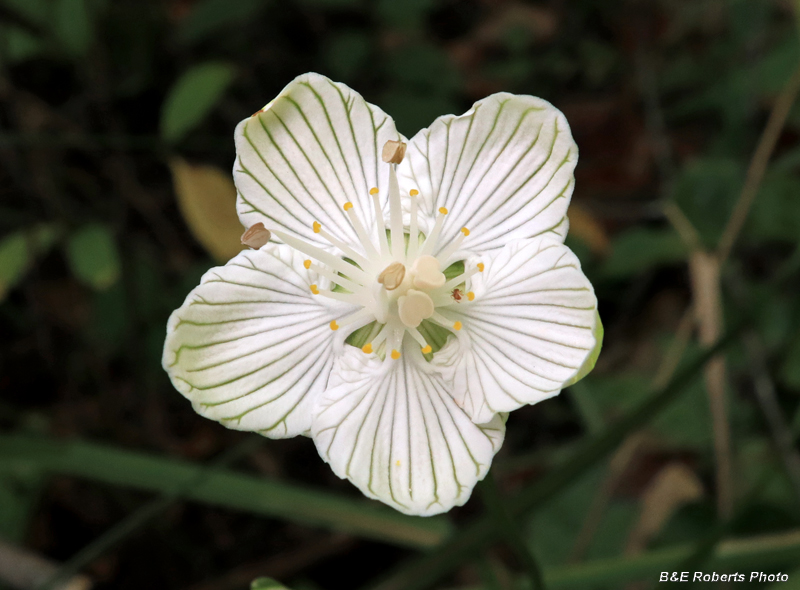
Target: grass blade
{"x": 224, "y": 488}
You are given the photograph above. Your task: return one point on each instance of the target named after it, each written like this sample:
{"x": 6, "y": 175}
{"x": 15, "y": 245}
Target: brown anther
{"x": 392, "y": 276}
{"x": 393, "y": 152}
{"x": 256, "y": 236}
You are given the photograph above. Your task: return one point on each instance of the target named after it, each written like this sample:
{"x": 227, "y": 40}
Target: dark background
{"x": 98, "y": 244}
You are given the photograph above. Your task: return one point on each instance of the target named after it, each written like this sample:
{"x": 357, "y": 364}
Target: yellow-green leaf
{"x": 207, "y": 199}
{"x": 93, "y": 257}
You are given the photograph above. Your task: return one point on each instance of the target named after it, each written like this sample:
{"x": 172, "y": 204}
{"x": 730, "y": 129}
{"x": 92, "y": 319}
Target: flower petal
{"x": 308, "y": 152}
{"x": 504, "y": 169}
{"x": 393, "y": 429}
{"x": 251, "y": 347}
{"x": 528, "y": 331}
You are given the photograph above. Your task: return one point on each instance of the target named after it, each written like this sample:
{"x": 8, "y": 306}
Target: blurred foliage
{"x": 115, "y": 156}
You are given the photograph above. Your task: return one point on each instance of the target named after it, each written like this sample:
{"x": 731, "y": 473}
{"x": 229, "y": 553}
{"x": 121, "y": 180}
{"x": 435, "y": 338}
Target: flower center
{"x": 397, "y": 282}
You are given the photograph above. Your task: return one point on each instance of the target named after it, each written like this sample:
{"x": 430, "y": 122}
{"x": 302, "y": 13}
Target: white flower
{"x": 465, "y": 325}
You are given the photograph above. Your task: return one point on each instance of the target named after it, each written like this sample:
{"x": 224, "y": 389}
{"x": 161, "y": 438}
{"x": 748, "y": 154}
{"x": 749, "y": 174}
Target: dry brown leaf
{"x": 207, "y": 200}
{"x": 583, "y": 225}
{"x": 673, "y": 487}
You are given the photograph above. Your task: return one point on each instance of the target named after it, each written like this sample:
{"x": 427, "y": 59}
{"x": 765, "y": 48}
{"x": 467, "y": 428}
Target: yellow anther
{"x": 443, "y": 210}
{"x": 316, "y": 227}
{"x": 480, "y": 266}
{"x": 348, "y": 205}
{"x": 465, "y": 231}
{"x": 367, "y": 348}
{"x": 427, "y": 349}
{"x": 373, "y": 190}
{"x": 413, "y": 192}
{"x": 395, "y": 354}
{"x": 398, "y": 463}
{"x": 334, "y": 325}
{"x": 307, "y": 264}
{"x": 457, "y": 326}
{"x": 314, "y": 289}
{"x": 470, "y": 295}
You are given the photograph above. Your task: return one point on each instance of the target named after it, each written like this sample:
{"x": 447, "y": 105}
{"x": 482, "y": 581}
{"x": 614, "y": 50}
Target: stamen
{"x": 351, "y": 298}
{"x": 334, "y": 278}
{"x": 395, "y": 215}
{"x": 392, "y": 276}
{"x": 416, "y": 335}
{"x": 445, "y": 323}
{"x": 347, "y": 250}
{"x": 445, "y": 255}
{"x": 363, "y": 237}
{"x": 471, "y": 296}
{"x": 325, "y": 257}
{"x": 380, "y": 337}
{"x": 358, "y": 317}
{"x": 454, "y": 282}
{"x": 382, "y": 240}
{"x": 367, "y": 348}
{"x": 413, "y": 229}
{"x": 395, "y": 354}
{"x": 430, "y": 241}
{"x": 427, "y": 349}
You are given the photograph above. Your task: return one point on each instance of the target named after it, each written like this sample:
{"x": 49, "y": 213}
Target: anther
{"x": 480, "y": 267}
{"x": 465, "y": 231}
{"x": 457, "y": 326}
{"x": 393, "y": 152}
{"x": 427, "y": 349}
{"x": 316, "y": 227}
{"x": 470, "y": 295}
{"x": 256, "y": 236}
{"x": 443, "y": 210}
{"x": 307, "y": 264}
{"x": 395, "y": 354}
{"x": 334, "y": 325}
{"x": 392, "y": 276}
{"x": 413, "y": 192}
{"x": 314, "y": 289}
{"x": 373, "y": 190}
{"x": 348, "y": 205}
{"x": 367, "y": 348}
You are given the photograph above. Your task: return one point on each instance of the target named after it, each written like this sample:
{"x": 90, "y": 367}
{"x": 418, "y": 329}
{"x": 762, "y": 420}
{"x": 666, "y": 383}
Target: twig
{"x": 758, "y": 164}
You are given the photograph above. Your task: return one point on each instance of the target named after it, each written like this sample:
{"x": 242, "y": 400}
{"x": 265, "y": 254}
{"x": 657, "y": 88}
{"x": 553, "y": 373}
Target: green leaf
{"x": 193, "y": 97}
{"x": 19, "y": 250}
{"x": 267, "y": 584}
{"x": 223, "y": 487}
{"x": 639, "y": 249}
{"x": 93, "y": 257}
{"x": 72, "y": 24}
{"x": 706, "y": 191}
{"x": 776, "y": 213}
{"x": 212, "y": 16}
{"x": 19, "y": 44}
